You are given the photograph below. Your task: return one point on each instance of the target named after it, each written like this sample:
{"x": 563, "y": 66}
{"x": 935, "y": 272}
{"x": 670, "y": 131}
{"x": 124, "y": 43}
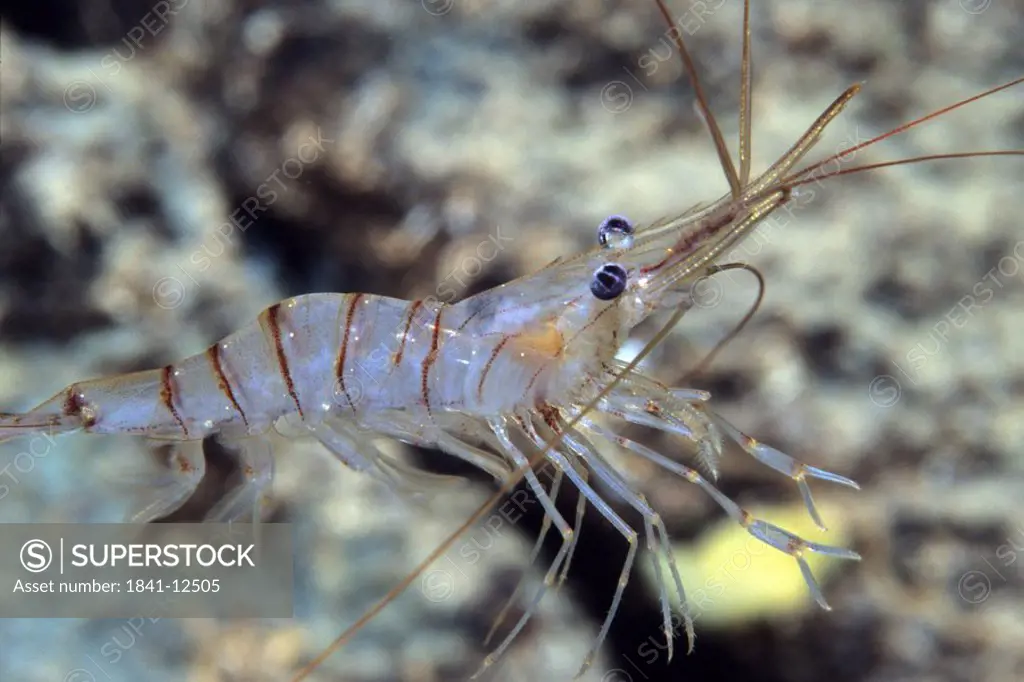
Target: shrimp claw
{"x": 786, "y": 465}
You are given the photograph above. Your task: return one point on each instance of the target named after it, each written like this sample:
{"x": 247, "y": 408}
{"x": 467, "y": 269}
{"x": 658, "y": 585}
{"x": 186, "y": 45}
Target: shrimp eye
{"x": 609, "y": 281}
{"x": 615, "y": 232}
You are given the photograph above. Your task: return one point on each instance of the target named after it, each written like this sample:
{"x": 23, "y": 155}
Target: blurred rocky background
{"x": 169, "y": 168}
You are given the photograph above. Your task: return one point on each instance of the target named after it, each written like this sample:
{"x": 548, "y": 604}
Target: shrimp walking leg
{"x": 581, "y": 507}
{"x": 684, "y": 419}
{"x": 255, "y": 461}
{"x": 545, "y": 527}
{"x": 581, "y": 471}
{"x": 564, "y": 460}
{"x": 501, "y": 430}
{"x": 658, "y": 413}
{"x": 581, "y": 504}
{"x": 768, "y": 533}
{"x": 655, "y": 532}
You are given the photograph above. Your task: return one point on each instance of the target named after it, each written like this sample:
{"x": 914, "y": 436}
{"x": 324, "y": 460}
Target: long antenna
{"x": 735, "y": 187}
{"x": 746, "y": 100}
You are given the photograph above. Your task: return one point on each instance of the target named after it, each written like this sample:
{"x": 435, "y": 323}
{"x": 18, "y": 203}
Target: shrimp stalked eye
{"x": 616, "y": 232}
{"x": 609, "y": 281}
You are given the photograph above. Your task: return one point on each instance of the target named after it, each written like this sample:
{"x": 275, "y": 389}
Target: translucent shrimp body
{"x": 489, "y": 380}
{"x": 501, "y": 380}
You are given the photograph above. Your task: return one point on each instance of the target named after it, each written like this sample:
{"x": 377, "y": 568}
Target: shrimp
{"x": 577, "y": 312}
{"x": 503, "y": 380}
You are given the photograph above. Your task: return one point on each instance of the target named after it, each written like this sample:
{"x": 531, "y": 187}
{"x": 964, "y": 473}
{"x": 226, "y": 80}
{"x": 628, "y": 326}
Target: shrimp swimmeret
{"x": 503, "y": 380}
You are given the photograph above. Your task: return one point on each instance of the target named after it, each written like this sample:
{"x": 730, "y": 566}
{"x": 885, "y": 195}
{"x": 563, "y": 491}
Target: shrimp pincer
{"x": 504, "y": 380}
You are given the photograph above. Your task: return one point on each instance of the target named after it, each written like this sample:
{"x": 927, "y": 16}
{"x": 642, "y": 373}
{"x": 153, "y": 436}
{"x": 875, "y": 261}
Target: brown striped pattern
{"x": 469, "y": 318}
{"x": 487, "y": 368}
{"x": 588, "y": 325}
{"x": 213, "y": 355}
{"x": 339, "y": 368}
{"x": 282, "y": 360}
{"x": 431, "y": 358}
{"x": 413, "y": 309}
{"x": 167, "y": 396}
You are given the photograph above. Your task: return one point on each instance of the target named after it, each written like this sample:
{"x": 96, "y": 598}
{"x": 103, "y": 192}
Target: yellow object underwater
{"x": 731, "y": 576}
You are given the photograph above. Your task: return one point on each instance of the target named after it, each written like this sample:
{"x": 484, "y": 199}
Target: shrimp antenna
{"x": 798, "y": 178}
{"x": 738, "y": 327}
{"x": 746, "y": 100}
{"x": 736, "y": 184}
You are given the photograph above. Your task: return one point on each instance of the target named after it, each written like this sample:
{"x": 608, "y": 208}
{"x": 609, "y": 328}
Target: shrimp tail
{"x": 60, "y": 414}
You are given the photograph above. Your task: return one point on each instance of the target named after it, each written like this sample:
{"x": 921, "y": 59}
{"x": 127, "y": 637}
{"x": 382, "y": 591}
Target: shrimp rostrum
{"x": 504, "y": 380}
